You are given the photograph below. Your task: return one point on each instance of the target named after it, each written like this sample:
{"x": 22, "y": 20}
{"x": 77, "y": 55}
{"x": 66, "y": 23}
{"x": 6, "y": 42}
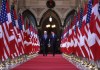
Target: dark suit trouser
{"x": 45, "y": 50}
{"x": 53, "y": 50}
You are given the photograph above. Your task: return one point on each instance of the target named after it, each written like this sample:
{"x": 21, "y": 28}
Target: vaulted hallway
{"x": 49, "y": 34}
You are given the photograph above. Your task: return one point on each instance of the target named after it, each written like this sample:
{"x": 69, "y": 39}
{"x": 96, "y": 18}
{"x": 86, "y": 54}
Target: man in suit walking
{"x": 45, "y": 42}
{"x": 53, "y": 42}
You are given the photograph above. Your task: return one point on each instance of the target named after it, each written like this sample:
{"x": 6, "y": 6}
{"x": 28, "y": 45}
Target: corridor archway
{"x": 28, "y": 15}
{"x": 55, "y": 25}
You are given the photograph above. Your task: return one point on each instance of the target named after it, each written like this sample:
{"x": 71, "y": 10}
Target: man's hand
{"x": 48, "y": 45}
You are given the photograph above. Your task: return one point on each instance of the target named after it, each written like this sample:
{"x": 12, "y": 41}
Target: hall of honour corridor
{"x": 49, "y": 34}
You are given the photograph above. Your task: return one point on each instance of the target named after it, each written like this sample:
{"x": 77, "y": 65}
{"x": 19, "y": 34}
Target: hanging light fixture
{"x": 47, "y": 26}
{"x": 53, "y": 26}
{"x": 50, "y": 19}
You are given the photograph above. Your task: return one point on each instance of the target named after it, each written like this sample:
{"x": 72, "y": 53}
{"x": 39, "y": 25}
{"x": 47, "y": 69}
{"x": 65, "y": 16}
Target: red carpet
{"x": 47, "y": 63}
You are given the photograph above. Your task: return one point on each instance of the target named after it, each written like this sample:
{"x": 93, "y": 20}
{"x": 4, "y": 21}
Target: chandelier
{"x": 50, "y": 19}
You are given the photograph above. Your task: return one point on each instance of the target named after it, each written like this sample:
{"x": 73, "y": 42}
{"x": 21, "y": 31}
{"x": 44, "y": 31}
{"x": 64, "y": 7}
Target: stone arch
{"x": 28, "y": 14}
{"x": 53, "y": 12}
{"x": 24, "y": 9}
{"x": 71, "y": 13}
{"x": 45, "y": 21}
{"x": 45, "y": 10}
{"x": 68, "y": 11}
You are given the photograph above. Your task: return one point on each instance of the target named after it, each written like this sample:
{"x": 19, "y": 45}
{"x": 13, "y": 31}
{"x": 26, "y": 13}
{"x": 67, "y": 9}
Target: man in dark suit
{"x": 53, "y": 42}
{"x": 45, "y": 42}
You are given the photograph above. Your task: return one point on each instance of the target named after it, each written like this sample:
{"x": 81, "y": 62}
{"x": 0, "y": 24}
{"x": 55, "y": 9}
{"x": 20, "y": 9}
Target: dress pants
{"x": 45, "y": 50}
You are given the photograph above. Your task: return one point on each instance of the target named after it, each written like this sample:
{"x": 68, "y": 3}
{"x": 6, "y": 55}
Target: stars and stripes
{"x": 99, "y": 7}
{"x": 20, "y": 22}
{"x": 76, "y": 20}
{"x": 89, "y": 11}
{"x": 81, "y": 17}
{"x": 12, "y": 16}
{"x": 11, "y": 33}
{"x": 3, "y": 13}
{"x": 86, "y": 34}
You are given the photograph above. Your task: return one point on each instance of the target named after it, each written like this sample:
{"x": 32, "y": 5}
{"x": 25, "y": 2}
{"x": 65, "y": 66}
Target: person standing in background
{"x": 53, "y": 42}
{"x": 45, "y": 42}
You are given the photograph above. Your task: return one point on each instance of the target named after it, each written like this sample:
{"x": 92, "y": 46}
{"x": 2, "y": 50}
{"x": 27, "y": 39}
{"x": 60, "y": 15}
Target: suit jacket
{"x": 44, "y": 41}
{"x": 53, "y": 40}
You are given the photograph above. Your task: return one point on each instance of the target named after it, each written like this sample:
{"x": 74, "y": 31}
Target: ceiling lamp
{"x": 47, "y": 26}
{"x": 50, "y": 19}
{"x": 53, "y": 26}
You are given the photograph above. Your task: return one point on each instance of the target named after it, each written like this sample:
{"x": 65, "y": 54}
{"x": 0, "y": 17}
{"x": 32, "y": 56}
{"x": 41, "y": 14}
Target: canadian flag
{"x": 21, "y": 35}
{"x": 83, "y": 34}
{"x": 64, "y": 46}
{"x": 7, "y": 27}
{"x": 37, "y": 43}
{"x": 70, "y": 41}
{"x": 22, "y": 30}
{"x": 3, "y": 46}
{"x": 27, "y": 39}
{"x": 94, "y": 32}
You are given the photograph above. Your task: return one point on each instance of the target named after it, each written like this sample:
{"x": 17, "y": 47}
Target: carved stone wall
{"x": 38, "y": 7}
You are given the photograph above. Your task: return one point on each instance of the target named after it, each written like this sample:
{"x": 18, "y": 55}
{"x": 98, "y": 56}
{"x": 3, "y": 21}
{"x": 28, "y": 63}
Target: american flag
{"x": 3, "y": 13}
{"x": 76, "y": 20}
{"x": 20, "y": 22}
{"x": 89, "y": 11}
{"x": 81, "y": 17}
{"x": 67, "y": 32}
{"x": 12, "y": 16}
{"x": 99, "y": 7}
{"x": 5, "y": 19}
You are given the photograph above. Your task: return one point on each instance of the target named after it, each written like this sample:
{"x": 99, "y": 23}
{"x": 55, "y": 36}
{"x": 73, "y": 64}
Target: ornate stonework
{"x": 38, "y": 7}
{"x": 38, "y": 11}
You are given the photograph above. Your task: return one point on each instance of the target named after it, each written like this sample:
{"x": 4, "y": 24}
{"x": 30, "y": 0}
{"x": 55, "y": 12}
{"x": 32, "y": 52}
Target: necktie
{"x": 53, "y": 35}
{"x": 45, "y": 36}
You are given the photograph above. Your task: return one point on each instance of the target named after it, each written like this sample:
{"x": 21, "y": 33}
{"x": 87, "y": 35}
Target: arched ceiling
{"x": 49, "y": 13}
{"x": 38, "y": 7}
